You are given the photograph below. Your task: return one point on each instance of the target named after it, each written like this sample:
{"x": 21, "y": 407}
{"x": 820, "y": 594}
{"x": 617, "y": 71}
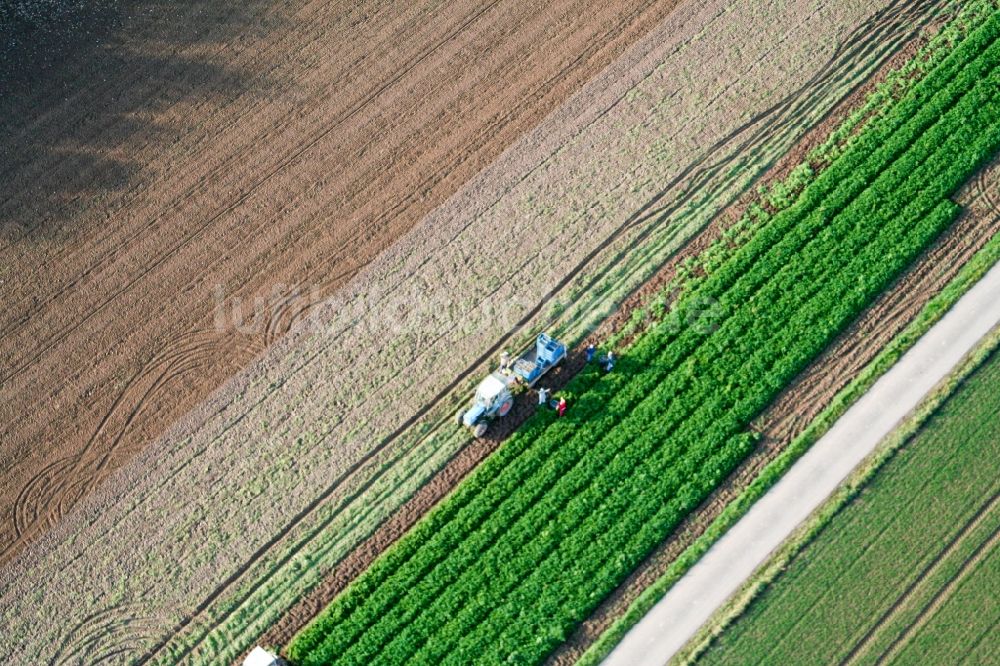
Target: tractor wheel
{"x": 505, "y": 407}
{"x": 459, "y": 417}
{"x": 480, "y": 429}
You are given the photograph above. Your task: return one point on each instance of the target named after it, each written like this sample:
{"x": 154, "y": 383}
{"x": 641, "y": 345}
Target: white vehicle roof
{"x": 260, "y": 657}
{"x": 490, "y": 387}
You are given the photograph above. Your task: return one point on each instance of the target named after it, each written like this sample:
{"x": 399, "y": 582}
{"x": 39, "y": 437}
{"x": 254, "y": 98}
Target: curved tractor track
{"x": 59, "y": 485}
{"x": 260, "y": 174}
{"x": 109, "y": 636}
{"x": 300, "y": 433}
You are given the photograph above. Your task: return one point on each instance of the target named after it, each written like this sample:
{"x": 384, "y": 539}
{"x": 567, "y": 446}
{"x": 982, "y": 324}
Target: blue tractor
{"x": 495, "y": 395}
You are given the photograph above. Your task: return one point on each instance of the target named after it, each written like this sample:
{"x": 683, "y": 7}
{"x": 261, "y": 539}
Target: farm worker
{"x": 591, "y": 350}
{"x": 543, "y": 397}
{"x": 505, "y": 361}
{"x": 609, "y": 362}
{"x": 561, "y": 407}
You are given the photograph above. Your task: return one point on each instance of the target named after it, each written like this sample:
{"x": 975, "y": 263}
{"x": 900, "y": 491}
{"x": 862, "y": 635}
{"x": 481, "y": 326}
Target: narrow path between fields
{"x": 724, "y": 568}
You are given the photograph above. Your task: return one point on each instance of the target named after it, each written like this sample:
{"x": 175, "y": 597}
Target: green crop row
{"x": 780, "y": 195}
{"x": 551, "y": 523}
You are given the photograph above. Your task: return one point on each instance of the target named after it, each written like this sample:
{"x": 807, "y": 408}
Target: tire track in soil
{"x": 107, "y": 636}
{"x": 942, "y": 593}
{"x": 214, "y": 174}
{"x": 55, "y": 488}
{"x": 36, "y": 487}
{"x": 237, "y": 157}
{"x": 866, "y": 42}
{"x": 987, "y": 190}
{"x": 257, "y": 103}
{"x": 273, "y": 330}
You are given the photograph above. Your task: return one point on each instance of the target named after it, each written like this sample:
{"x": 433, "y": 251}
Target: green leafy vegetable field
{"x": 523, "y": 550}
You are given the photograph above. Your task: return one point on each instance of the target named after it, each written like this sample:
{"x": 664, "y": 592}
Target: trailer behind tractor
{"x": 495, "y": 395}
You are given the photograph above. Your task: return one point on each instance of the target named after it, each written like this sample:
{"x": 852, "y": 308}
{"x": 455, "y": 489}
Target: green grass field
{"x": 908, "y": 572}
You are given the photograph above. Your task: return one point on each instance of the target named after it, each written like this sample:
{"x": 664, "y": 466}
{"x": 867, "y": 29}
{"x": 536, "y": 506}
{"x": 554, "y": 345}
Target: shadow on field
{"x": 85, "y": 84}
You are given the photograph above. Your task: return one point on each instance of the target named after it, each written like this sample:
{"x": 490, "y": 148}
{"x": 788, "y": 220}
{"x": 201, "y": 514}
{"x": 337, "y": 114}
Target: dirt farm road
{"x": 721, "y": 572}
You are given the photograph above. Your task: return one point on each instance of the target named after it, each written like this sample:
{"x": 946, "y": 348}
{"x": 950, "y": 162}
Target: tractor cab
{"x": 490, "y": 390}
{"x": 493, "y": 398}
{"x": 261, "y": 657}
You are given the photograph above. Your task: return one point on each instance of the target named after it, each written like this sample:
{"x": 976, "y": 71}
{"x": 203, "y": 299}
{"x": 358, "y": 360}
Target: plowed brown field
{"x": 264, "y": 490}
{"x": 268, "y": 158}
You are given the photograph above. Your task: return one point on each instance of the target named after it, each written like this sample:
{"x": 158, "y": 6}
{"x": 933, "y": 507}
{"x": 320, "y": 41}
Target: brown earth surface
{"x": 222, "y": 154}
{"x": 250, "y": 500}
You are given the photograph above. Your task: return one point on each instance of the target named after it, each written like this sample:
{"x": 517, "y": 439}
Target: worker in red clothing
{"x": 561, "y": 407}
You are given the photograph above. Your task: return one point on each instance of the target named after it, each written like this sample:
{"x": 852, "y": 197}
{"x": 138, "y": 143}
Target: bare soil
{"x": 221, "y": 154}
{"x": 260, "y": 491}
